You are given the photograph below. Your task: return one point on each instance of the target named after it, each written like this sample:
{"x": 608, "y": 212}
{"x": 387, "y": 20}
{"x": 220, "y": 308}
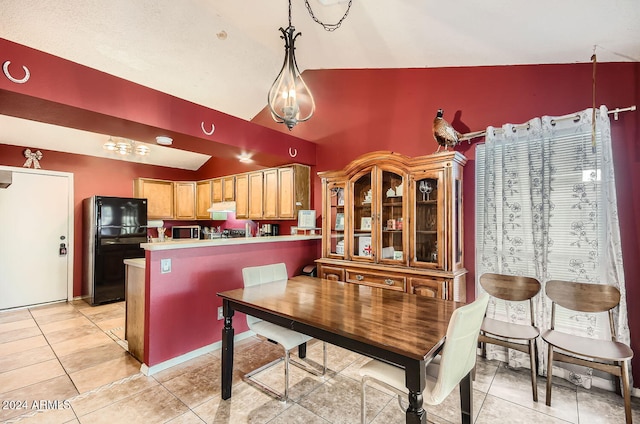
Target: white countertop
{"x": 137, "y": 262}
{"x": 188, "y": 244}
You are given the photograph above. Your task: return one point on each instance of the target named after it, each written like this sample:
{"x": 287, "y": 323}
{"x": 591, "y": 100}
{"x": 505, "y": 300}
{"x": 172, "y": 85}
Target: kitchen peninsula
{"x": 181, "y": 279}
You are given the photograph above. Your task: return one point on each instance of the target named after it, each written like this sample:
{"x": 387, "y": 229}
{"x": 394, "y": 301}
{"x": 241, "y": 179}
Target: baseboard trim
{"x": 147, "y": 370}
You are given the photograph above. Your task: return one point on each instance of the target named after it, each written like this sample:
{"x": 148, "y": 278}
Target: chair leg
{"x": 363, "y": 400}
{"x": 626, "y": 390}
{"x": 311, "y": 369}
{"x": 324, "y": 358}
{"x": 549, "y": 374}
{"x": 286, "y": 375}
{"x": 248, "y": 377}
{"x": 534, "y": 369}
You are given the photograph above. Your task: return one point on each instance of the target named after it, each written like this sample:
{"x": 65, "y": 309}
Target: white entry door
{"x": 35, "y": 217}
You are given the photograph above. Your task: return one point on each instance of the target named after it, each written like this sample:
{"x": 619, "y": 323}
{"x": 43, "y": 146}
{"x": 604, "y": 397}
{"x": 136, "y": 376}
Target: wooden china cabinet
{"x": 396, "y": 222}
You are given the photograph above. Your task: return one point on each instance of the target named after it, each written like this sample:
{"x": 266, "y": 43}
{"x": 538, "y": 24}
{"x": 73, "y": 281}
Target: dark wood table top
{"x": 409, "y": 325}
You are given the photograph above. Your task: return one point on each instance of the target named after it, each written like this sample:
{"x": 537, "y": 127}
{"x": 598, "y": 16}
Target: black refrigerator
{"x": 113, "y": 228}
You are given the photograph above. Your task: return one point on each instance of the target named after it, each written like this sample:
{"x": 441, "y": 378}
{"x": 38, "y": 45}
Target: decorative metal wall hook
{"x": 213, "y": 128}
{"x": 5, "y": 69}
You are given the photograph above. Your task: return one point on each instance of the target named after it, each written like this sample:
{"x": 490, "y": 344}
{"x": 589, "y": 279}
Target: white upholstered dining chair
{"x": 288, "y": 339}
{"x": 446, "y": 370}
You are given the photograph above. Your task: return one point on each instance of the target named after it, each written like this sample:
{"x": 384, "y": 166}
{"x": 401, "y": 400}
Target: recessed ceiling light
{"x": 245, "y": 158}
{"x": 164, "y": 140}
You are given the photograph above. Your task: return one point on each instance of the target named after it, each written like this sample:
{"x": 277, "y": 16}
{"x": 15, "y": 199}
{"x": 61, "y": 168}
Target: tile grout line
{"x": 38, "y": 411}
{"x": 79, "y": 396}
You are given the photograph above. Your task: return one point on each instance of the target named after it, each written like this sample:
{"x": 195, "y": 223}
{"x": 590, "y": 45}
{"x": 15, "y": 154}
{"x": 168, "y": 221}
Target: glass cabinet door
{"x": 392, "y": 217}
{"x": 362, "y": 218}
{"x": 427, "y": 244}
{"x": 335, "y": 213}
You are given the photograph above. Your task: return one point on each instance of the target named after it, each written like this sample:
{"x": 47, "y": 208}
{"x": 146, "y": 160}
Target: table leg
{"x": 466, "y": 399}
{"x": 227, "y": 350}
{"x": 302, "y": 351}
{"x": 416, "y": 413}
{"x": 415, "y": 376}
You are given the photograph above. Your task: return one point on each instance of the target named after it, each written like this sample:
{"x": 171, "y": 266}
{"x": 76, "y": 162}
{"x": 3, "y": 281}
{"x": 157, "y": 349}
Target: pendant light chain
{"x": 328, "y": 27}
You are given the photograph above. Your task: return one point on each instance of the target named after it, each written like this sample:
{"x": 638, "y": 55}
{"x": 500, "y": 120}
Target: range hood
{"x": 222, "y": 207}
{"x": 219, "y": 210}
{"x": 6, "y": 178}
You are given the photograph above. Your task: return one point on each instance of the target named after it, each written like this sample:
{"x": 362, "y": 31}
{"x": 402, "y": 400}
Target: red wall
{"x": 68, "y": 94}
{"x": 182, "y": 313}
{"x": 92, "y": 176}
{"x": 393, "y": 109}
{"x": 359, "y": 111}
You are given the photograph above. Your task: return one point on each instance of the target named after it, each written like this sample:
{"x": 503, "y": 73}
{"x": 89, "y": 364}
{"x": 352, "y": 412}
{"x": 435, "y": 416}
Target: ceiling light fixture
{"x": 245, "y": 158}
{"x": 164, "y": 140}
{"x": 290, "y": 100}
{"x": 125, "y": 147}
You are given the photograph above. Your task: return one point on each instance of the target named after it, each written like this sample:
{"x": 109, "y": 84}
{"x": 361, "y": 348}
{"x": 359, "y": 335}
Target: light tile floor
{"x": 68, "y": 360}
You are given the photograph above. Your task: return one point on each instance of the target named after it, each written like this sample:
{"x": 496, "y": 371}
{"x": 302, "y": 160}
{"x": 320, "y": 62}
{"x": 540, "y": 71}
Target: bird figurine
{"x": 444, "y": 133}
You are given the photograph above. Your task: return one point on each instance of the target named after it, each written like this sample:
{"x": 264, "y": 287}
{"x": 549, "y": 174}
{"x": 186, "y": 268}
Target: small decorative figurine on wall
{"x": 32, "y": 158}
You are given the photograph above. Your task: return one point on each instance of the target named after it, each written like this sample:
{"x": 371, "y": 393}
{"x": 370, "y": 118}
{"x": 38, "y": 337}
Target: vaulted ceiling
{"x": 224, "y": 54}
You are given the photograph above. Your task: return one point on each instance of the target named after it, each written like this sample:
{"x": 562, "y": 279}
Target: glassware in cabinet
{"x": 428, "y": 195}
{"x": 362, "y": 218}
{"x": 336, "y": 215}
{"x": 392, "y": 217}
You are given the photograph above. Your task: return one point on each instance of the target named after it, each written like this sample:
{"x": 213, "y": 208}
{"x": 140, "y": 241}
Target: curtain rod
{"x": 475, "y": 134}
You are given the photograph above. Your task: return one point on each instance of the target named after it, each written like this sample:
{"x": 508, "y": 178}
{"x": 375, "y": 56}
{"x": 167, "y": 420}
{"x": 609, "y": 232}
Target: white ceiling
{"x": 224, "y": 54}
{"x": 21, "y": 132}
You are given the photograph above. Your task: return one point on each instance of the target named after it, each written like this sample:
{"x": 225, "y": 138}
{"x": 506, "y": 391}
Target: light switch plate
{"x": 220, "y": 313}
{"x": 165, "y": 266}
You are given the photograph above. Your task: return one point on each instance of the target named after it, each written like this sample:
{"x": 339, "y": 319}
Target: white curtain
{"x": 546, "y": 208}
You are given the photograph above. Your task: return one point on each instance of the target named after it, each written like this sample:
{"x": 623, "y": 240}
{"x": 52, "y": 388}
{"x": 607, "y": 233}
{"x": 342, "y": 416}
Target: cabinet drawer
{"x": 430, "y": 287}
{"x": 331, "y": 273}
{"x": 387, "y": 281}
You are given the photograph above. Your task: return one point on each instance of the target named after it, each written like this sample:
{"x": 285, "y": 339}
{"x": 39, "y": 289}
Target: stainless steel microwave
{"x": 185, "y": 232}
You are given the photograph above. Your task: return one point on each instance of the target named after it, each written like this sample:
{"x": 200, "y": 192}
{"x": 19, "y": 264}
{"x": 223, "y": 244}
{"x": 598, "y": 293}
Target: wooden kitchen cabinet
{"x": 396, "y": 222}
{"x": 294, "y": 190}
{"x": 242, "y": 196}
{"x": 223, "y": 189}
{"x": 228, "y": 188}
{"x": 135, "y": 307}
{"x": 274, "y": 193}
{"x": 255, "y": 195}
{"x": 159, "y": 195}
{"x": 203, "y": 199}
{"x": 284, "y": 192}
{"x": 185, "y": 200}
{"x": 217, "y": 188}
{"x": 270, "y": 194}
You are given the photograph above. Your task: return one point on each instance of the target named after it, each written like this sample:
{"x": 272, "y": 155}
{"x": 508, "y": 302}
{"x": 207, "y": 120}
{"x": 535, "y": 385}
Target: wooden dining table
{"x": 395, "y": 327}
